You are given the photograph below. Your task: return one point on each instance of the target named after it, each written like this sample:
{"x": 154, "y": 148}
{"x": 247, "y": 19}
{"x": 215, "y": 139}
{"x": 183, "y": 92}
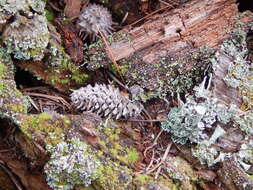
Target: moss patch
{"x": 45, "y": 128}
{"x": 118, "y": 147}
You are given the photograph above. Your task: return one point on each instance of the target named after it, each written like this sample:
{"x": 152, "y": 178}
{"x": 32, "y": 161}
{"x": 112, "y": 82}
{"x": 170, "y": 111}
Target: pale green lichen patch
{"x": 10, "y": 8}
{"x": 12, "y": 101}
{"x": 71, "y": 163}
{"x": 26, "y": 37}
{"x": 189, "y": 121}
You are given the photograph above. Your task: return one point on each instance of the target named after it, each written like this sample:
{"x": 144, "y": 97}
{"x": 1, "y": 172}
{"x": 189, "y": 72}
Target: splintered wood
{"x": 193, "y": 25}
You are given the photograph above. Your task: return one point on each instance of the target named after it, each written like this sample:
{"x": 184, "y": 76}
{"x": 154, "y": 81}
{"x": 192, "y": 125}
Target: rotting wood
{"x": 194, "y": 24}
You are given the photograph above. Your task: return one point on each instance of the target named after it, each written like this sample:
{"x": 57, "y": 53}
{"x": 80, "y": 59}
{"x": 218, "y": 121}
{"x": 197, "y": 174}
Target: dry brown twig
{"x": 10, "y": 174}
{"x": 162, "y": 160}
{"x": 111, "y": 55}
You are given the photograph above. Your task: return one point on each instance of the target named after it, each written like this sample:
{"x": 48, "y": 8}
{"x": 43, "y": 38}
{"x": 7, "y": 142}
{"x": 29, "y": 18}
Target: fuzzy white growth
{"x": 105, "y": 101}
{"x": 70, "y": 164}
{"x": 94, "y": 18}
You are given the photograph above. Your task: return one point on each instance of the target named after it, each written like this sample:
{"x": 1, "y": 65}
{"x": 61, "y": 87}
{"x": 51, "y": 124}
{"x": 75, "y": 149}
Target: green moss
{"x": 2, "y": 70}
{"x": 109, "y": 176}
{"x": 44, "y": 125}
{"x": 113, "y": 143}
{"x": 142, "y": 179}
{"x": 50, "y": 15}
{"x": 17, "y": 108}
{"x": 131, "y": 156}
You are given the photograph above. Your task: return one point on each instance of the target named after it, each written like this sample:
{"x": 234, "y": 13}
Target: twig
{"x": 13, "y": 178}
{"x": 151, "y": 162}
{"x": 117, "y": 81}
{"x": 158, "y": 172}
{"x": 54, "y": 7}
{"x": 162, "y": 160}
{"x": 124, "y": 19}
{"x": 164, "y": 2}
{"x": 55, "y": 98}
{"x": 149, "y": 15}
{"x": 110, "y": 54}
{"x": 154, "y": 143}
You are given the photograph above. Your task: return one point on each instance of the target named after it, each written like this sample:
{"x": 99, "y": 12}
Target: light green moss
{"x": 112, "y": 142}
{"x": 51, "y": 129}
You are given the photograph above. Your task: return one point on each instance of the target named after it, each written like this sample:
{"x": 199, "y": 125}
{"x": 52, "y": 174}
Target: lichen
{"x": 26, "y": 37}
{"x": 12, "y": 101}
{"x": 70, "y": 164}
{"x": 10, "y": 8}
{"x": 246, "y": 153}
{"x": 189, "y": 121}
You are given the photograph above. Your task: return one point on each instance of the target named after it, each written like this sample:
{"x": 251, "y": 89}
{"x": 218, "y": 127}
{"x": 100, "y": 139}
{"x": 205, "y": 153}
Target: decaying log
{"x": 169, "y": 41}
{"x": 194, "y": 24}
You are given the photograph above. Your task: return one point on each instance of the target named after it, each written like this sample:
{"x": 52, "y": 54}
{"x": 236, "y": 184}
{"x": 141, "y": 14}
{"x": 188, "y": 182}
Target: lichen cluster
{"x": 70, "y": 164}
{"x": 203, "y": 117}
{"x": 189, "y": 121}
{"x": 10, "y": 8}
{"x": 12, "y": 101}
{"x": 240, "y": 73}
{"x": 27, "y": 36}
{"x": 105, "y": 101}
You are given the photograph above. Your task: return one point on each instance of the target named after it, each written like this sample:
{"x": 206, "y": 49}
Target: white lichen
{"x": 70, "y": 164}
{"x": 27, "y": 38}
{"x": 189, "y": 121}
{"x": 10, "y": 8}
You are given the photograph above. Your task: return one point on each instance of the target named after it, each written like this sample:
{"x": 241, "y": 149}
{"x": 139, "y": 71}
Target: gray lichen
{"x": 245, "y": 122}
{"x": 246, "y": 153}
{"x": 10, "y": 8}
{"x": 70, "y": 164}
{"x": 27, "y": 36}
{"x": 105, "y": 101}
{"x": 207, "y": 154}
{"x": 189, "y": 121}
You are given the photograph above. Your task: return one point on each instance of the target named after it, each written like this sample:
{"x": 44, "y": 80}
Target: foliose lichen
{"x": 189, "y": 121}
{"x": 27, "y": 36}
{"x": 246, "y": 152}
{"x": 9, "y": 8}
{"x": 70, "y": 164}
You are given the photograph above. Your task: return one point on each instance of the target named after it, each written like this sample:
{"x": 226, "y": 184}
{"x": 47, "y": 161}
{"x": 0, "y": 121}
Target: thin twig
{"x": 149, "y": 15}
{"x": 54, "y": 7}
{"x": 162, "y": 160}
{"x": 110, "y": 54}
{"x": 151, "y": 162}
{"x": 154, "y": 143}
{"x": 13, "y": 178}
{"x": 117, "y": 81}
{"x": 55, "y": 98}
{"x": 158, "y": 172}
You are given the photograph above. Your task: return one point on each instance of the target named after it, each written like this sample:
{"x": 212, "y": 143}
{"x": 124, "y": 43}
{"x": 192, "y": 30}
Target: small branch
{"x": 13, "y": 178}
{"x": 162, "y": 160}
